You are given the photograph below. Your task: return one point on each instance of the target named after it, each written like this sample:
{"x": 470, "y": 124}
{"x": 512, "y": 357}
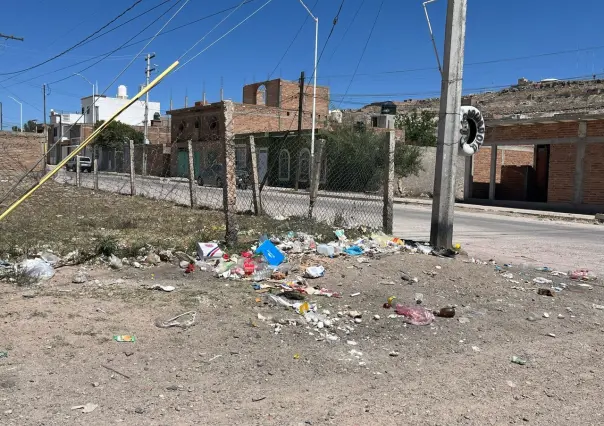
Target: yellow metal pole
{"x": 88, "y": 140}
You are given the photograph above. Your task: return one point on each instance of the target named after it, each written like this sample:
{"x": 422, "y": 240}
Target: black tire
{"x": 219, "y": 182}
{"x": 199, "y": 181}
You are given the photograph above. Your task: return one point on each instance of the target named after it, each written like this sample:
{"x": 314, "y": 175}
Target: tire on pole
{"x": 472, "y": 130}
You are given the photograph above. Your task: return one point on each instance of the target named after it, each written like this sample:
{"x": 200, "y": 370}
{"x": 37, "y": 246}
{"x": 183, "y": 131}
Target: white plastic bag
{"x": 38, "y": 269}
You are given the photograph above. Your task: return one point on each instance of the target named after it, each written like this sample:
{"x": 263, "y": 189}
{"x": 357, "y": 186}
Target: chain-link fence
{"x": 344, "y": 177}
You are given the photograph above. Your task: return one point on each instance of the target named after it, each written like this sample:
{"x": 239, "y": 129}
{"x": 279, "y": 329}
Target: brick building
{"x": 554, "y": 163}
{"x": 21, "y": 152}
{"x": 267, "y": 107}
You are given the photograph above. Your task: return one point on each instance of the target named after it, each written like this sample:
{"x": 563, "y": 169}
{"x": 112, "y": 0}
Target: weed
{"x": 107, "y": 245}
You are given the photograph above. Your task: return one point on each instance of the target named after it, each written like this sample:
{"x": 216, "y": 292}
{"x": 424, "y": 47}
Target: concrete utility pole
{"x": 441, "y": 231}
{"x": 148, "y": 71}
{"x": 1, "y": 124}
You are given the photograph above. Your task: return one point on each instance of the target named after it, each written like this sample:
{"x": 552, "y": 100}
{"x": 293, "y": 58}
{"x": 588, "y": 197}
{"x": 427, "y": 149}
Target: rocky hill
{"x": 527, "y": 99}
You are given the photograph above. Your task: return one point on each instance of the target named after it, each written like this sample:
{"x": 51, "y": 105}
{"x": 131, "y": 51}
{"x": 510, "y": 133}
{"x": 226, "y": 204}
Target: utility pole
{"x": 45, "y": 131}
{"x": 301, "y": 104}
{"x": 148, "y": 71}
{"x": 449, "y": 124}
{"x": 1, "y": 124}
{"x": 300, "y": 116}
{"x": 11, "y": 37}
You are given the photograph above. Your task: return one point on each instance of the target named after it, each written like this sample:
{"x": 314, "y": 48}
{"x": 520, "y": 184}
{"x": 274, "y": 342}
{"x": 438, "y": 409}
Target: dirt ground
{"x": 233, "y": 368}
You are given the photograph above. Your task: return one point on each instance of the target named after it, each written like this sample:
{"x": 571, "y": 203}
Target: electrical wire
{"x": 333, "y": 26}
{"x": 224, "y": 35}
{"x": 75, "y": 45}
{"x": 293, "y": 40}
{"x": 120, "y": 47}
{"x": 129, "y": 44}
{"x": 346, "y": 32}
{"x": 209, "y": 32}
{"x": 364, "y": 48}
{"x": 103, "y": 92}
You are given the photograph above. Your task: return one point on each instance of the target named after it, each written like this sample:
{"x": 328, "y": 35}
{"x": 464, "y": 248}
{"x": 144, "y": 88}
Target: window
{"x": 284, "y": 164}
{"x": 374, "y": 121}
{"x": 261, "y": 95}
{"x": 197, "y": 123}
{"x": 82, "y": 110}
{"x": 241, "y": 157}
{"x": 54, "y": 132}
{"x": 304, "y": 165}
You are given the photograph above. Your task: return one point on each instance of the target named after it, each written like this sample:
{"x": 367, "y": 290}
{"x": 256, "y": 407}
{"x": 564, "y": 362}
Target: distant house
{"x": 269, "y": 107}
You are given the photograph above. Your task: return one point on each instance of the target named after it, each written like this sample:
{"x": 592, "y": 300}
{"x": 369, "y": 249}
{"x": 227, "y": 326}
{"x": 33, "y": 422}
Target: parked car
{"x": 85, "y": 164}
{"x": 214, "y": 175}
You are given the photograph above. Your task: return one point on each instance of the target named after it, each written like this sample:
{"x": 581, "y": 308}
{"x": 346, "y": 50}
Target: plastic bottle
{"x": 262, "y": 275}
{"x": 325, "y": 250}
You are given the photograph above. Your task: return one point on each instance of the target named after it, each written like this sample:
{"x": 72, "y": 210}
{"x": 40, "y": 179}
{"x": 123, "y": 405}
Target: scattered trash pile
{"x": 285, "y": 271}
{"x": 578, "y": 280}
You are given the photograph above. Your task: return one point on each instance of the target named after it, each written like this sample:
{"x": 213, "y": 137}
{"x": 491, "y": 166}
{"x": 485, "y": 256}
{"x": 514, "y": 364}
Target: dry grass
{"x": 65, "y": 218}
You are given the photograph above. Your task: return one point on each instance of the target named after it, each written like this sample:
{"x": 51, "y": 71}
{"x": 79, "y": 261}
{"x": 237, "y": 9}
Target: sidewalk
{"x": 427, "y": 202}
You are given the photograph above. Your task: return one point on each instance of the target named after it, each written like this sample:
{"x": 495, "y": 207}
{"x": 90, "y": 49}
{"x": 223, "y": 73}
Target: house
{"x": 106, "y": 106}
{"x": 267, "y": 107}
{"x": 553, "y": 163}
{"x": 65, "y": 132}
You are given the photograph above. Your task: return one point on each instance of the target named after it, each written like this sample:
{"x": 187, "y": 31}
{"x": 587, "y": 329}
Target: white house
{"x": 105, "y": 107}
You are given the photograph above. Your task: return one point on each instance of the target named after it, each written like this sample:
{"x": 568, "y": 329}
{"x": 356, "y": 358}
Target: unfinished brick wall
{"x": 520, "y": 132}
{"x": 19, "y": 152}
{"x": 514, "y": 157}
{"x": 593, "y": 174}
{"x": 561, "y": 173}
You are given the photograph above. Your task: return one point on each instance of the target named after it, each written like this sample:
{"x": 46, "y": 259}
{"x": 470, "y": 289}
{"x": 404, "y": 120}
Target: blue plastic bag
{"x": 354, "y": 251}
{"x": 272, "y": 254}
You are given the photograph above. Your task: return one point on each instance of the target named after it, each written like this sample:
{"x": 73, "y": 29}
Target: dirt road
{"x": 234, "y": 367}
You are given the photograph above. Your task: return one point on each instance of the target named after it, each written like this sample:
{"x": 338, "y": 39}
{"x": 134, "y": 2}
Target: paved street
{"x": 519, "y": 240}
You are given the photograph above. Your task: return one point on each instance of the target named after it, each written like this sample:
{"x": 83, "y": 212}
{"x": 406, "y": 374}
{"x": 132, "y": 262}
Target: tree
{"x": 15, "y": 129}
{"x": 116, "y": 133}
{"x": 356, "y": 158}
{"x": 420, "y": 127}
{"x": 30, "y": 126}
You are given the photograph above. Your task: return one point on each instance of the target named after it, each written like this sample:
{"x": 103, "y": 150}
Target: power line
{"x": 365, "y": 47}
{"x": 347, "y": 29}
{"x": 293, "y": 40}
{"x": 75, "y": 45}
{"x": 225, "y": 34}
{"x": 130, "y": 44}
{"x": 121, "y": 47}
{"x": 333, "y": 26}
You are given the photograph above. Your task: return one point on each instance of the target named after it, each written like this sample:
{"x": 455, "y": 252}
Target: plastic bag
{"x": 415, "y": 315}
{"x": 315, "y": 272}
{"x": 354, "y": 251}
{"x": 38, "y": 269}
{"x": 582, "y": 274}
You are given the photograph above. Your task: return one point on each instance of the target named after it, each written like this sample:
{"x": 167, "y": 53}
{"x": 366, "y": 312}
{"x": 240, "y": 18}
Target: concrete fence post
{"x": 256, "y": 196}
{"x": 388, "y": 216}
{"x": 315, "y": 176}
{"x": 191, "y": 173}
{"x": 229, "y": 189}
{"x": 132, "y": 171}
{"x": 78, "y": 172}
{"x": 95, "y": 170}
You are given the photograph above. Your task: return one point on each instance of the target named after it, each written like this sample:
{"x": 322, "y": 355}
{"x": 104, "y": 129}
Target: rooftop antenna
{"x": 221, "y": 89}
{"x": 432, "y": 35}
{"x": 204, "y": 93}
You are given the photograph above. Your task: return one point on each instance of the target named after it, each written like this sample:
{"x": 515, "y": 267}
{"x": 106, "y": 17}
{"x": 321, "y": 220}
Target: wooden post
{"x": 256, "y": 196}
{"x": 132, "y": 187}
{"x": 229, "y": 189}
{"x": 95, "y": 170}
{"x": 191, "y": 173}
{"x": 315, "y": 176}
{"x": 388, "y": 216}
{"x": 78, "y": 172}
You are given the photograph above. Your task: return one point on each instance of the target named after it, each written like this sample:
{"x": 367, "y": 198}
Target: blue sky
{"x": 496, "y": 32}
